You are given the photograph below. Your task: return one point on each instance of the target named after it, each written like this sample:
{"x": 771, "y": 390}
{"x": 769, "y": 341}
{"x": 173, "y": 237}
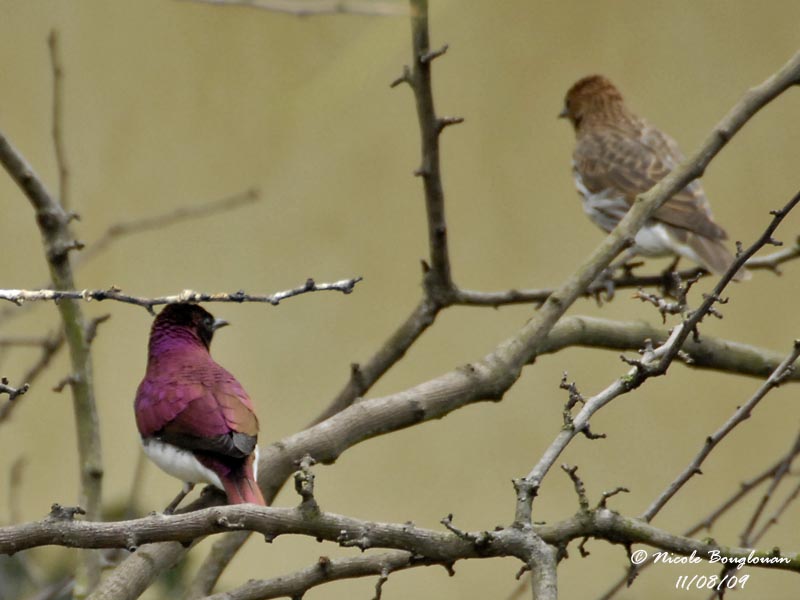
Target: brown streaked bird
{"x": 618, "y": 156}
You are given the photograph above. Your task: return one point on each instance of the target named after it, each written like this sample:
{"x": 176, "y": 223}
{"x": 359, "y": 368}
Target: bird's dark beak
{"x": 219, "y": 323}
{"x": 563, "y": 114}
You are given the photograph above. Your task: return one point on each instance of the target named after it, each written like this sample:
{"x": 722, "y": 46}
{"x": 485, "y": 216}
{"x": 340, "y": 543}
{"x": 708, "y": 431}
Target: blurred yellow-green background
{"x": 174, "y": 103}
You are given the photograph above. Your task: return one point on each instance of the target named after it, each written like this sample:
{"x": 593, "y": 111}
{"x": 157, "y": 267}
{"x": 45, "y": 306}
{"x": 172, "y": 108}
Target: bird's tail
{"x": 241, "y": 486}
{"x": 714, "y": 256}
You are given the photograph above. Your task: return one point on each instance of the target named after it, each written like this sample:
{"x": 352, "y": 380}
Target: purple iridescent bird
{"x": 196, "y": 421}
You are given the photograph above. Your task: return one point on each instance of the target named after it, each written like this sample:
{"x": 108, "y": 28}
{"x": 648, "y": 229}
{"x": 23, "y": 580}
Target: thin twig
{"x": 363, "y": 376}
{"x": 770, "y": 262}
{"x": 746, "y": 536}
{"x": 12, "y": 392}
{"x": 19, "y": 297}
{"x": 183, "y": 213}
{"x": 773, "y": 519}
{"x": 50, "y": 348}
{"x": 58, "y": 118}
{"x": 711, "y": 518}
{"x": 119, "y": 230}
{"x": 741, "y": 414}
{"x": 438, "y": 278}
{"x": 295, "y": 585}
{"x": 31, "y": 341}
{"x": 307, "y": 8}
{"x": 654, "y": 362}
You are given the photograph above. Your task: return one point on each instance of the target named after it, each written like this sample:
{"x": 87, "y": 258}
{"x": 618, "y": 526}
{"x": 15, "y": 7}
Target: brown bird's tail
{"x": 241, "y": 486}
{"x": 715, "y": 257}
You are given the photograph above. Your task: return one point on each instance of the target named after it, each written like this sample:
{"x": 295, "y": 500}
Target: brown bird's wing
{"x": 611, "y": 159}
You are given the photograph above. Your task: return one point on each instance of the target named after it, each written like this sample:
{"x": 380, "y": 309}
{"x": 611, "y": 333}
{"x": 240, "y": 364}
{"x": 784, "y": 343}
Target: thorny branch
{"x": 19, "y": 297}
{"x": 12, "y": 392}
{"x": 295, "y": 585}
{"x": 119, "y": 230}
{"x": 708, "y": 521}
{"x": 777, "y": 377}
{"x": 58, "y": 242}
{"x": 654, "y": 362}
{"x": 491, "y": 377}
{"x": 64, "y": 529}
{"x": 49, "y": 348}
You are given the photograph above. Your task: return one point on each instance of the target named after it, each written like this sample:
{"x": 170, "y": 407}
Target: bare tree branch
{"x": 709, "y": 353}
{"x": 571, "y": 331}
{"x": 438, "y": 278}
{"x": 31, "y": 341}
{"x": 344, "y": 286}
{"x": 654, "y": 362}
{"x": 707, "y": 521}
{"x": 770, "y": 262}
{"x": 161, "y": 221}
{"x": 58, "y": 118}
{"x": 777, "y": 477}
{"x": 12, "y": 392}
{"x": 307, "y": 8}
{"x": 441, "y": 547}
{"x": 364, "y": 376}
{"x": 122, "y": 229}
{"x": 52, "y": 345}
{"x": 295, "y": 585}
{"x": 742, "y": 413}
{"x": 479, "y": 381}
{"x": 57, "y": 239}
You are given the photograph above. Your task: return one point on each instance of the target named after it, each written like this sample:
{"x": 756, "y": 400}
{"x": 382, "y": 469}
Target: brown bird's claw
{"x": 603, "y": 283}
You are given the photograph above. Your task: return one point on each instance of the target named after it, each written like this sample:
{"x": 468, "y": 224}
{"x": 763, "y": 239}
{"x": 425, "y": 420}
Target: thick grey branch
{"x": 437, "y": 546}
{"x": 707, "y": 353}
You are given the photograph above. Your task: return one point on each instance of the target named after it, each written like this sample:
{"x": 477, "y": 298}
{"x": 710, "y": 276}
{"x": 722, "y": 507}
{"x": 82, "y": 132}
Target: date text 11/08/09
{"x": 710, "y": 582}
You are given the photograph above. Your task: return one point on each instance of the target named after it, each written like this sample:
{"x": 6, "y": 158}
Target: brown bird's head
{"x": 591, "y": 98}
{"x": 178, "y": 320}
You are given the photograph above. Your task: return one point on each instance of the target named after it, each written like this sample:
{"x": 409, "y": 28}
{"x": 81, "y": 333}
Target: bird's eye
{"x": 208, "y": 322}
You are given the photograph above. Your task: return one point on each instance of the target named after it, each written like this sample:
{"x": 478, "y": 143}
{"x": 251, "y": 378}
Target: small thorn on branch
{"x": 68, "y": 380}
{"x": 606, "y": 495}
{"x": 422, "y": 172}
{"x": 432, "y": 55}
{"x": 443, "y": 122}
{"x": 404, "y": 78}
